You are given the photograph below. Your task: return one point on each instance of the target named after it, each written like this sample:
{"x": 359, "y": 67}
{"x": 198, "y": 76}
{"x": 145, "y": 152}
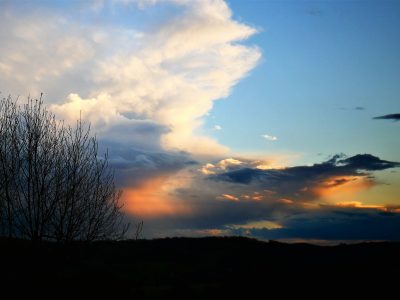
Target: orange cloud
{"x": 285, "y": 201}
{"x": 359, "y": 204}
{"x": 152, "y": 198}
{"x": 228, "y": 197}
{"x": 256, "y": 196}
{"x": 340, "y": 186}
{"x": 258, "y": 225}
{"x": 213, "y": 232}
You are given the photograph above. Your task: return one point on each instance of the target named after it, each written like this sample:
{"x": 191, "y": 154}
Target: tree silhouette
{"x": 53, "y": 183}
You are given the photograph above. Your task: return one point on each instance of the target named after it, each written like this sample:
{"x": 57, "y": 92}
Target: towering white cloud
{"x": 170, "y": 74}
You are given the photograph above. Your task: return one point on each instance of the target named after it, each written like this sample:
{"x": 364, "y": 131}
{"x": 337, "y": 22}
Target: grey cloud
{"x": 394, "y": 117}
{"x": 135, "y": 165}
{"x": 323, "y": 223}
{"x": 337, "y": 224}
{"x": 135, "y": 151}
{"x": 210, "y": 210}
{"x": 142, "y": 134}
{"x": 295, "y": 181}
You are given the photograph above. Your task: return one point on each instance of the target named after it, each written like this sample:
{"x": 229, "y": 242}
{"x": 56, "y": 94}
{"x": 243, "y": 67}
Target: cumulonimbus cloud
{"x": 144, "y": 89}
{"x": 170, "y": 74}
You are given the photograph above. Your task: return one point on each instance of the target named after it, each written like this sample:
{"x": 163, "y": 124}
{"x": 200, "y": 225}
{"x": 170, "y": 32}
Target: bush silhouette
{"x": 53, "y": 183}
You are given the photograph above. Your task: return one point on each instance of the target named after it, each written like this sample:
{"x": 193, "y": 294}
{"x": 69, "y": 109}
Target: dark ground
{"x": 197, "y": 269}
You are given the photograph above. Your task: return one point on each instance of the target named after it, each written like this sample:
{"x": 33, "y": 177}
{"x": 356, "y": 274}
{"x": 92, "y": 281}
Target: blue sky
{"x": 250, "y": 118}
{"x": 321, "y": 60}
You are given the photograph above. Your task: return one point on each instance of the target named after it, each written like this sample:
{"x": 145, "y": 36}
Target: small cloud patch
{"x": 217, "y": 127}
{"x": 269, "y": 137}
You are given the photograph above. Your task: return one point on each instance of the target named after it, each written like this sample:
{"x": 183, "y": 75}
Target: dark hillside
{"x": 195, "y": 268}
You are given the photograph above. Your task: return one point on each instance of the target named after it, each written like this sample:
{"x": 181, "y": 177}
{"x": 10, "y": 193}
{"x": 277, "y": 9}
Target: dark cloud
{"x": 321, "y": 223}
{"x": 135, "y": 152}
{"x": 360, "y": 108}
{"x": 366, "y": 162}
{"x": 336, "y": 224}
{"x": 135, "y": 165}
{"x": 337, "y": 165}
{"x": 209, "y": 213}
{"x": 130, "y": 133}
{"x": 284, "y": 201}
{"x": 280, "y": 196}
{"x": 395, "y": 117}
{"x": 298, "y": 182}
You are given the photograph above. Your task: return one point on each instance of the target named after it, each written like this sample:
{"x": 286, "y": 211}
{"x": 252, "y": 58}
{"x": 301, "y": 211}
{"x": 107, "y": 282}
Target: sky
{"x": 268, "y": 119}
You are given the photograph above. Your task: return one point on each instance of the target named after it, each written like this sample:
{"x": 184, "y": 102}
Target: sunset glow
{"x": 342, "y": 187}
{"x": 269, "y": 119}
{"x": 151, "y": 199}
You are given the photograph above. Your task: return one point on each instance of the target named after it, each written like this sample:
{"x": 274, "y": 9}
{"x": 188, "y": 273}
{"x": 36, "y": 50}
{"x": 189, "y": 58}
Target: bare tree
{"x": 138, "y": 230}
{"x": 53, "y": 183}
{"x": 8, "y": 164}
